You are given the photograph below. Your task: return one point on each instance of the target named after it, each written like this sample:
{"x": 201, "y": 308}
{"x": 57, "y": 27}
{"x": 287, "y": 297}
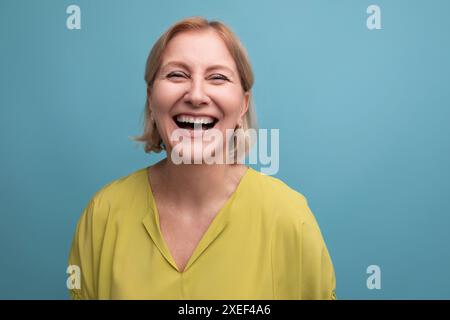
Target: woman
{"x": 198, "y": 229}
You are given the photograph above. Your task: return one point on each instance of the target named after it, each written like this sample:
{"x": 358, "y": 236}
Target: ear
{"x": 245, "y": 104}
{"x": 148, "y": 92}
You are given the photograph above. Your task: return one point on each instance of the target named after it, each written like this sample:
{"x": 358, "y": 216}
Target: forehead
{"x": 198, "y": 48}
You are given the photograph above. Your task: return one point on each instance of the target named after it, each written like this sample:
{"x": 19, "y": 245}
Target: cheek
{"x": 165, "y": 96}
{"x": 230, "y": 101}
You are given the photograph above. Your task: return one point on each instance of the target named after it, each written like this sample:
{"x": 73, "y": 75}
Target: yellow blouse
{"x": 263, "y": 244}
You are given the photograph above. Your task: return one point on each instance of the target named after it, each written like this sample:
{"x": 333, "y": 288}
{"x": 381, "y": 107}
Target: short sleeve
{"x": 85, "y": 250}
{"x": 301, "y": 264}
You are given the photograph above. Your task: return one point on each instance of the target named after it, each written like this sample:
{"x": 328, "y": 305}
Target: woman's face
{"x": 197, "y": 82}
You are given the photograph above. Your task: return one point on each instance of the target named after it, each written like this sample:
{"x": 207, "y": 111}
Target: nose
{"x": 196, "y": 94}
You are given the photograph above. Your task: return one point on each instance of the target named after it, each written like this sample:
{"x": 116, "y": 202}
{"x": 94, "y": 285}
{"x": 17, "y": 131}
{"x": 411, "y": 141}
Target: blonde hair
{"x": 151, "y": 137}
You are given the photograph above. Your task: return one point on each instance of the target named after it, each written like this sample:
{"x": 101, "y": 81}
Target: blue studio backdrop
{"x": 362, "y": 106}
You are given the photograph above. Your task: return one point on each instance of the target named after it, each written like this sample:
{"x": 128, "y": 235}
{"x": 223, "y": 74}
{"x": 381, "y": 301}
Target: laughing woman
{"x": 199, "y": 229}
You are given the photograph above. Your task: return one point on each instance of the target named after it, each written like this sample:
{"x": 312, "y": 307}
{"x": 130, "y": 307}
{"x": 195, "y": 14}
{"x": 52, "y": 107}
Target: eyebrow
{"x": 185, "y": 66}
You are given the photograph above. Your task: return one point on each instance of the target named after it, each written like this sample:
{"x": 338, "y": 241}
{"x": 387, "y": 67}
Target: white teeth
{"x": 190, "y": 119}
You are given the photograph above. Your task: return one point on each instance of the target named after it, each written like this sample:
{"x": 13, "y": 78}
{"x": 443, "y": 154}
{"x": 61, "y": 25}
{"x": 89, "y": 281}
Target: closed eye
{"x": 219, "y": 77}
{"x": 177, "y": 74}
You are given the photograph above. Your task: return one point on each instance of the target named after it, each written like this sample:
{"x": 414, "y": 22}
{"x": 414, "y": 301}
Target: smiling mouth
{"x": 195, "y": 123}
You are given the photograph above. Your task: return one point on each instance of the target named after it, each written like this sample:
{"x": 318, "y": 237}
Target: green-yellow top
{"x": 264, "y": 243}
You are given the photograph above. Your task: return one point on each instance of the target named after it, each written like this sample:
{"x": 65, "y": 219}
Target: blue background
{"x": 363, "y": 117}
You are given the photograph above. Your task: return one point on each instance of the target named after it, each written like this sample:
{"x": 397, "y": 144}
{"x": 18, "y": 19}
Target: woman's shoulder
{"x": 277, "y": 198}
{"x": 117, "y": 194}
{"x": 122, "y": 187}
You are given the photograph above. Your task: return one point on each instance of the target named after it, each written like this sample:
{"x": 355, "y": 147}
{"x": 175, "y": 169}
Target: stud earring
{"x": 151, "y": 119}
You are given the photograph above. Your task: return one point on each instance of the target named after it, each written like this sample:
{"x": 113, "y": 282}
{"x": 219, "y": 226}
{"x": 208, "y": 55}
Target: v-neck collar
{"x": 218, "y": 224}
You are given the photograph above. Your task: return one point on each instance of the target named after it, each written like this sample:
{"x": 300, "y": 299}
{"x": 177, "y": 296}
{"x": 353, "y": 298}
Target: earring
{"x": 151, "y": 119}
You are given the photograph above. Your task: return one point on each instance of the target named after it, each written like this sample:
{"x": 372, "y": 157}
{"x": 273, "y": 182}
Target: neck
{"x": 196, "y": 184}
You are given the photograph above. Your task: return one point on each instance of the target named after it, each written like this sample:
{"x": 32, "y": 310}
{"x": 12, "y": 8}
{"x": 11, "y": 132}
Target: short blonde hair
{"x": 151, "y": 137}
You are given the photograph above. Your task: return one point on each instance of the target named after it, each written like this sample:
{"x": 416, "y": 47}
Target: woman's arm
{"x": 302, "y": 267}
{"x": 86, "y": 246}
